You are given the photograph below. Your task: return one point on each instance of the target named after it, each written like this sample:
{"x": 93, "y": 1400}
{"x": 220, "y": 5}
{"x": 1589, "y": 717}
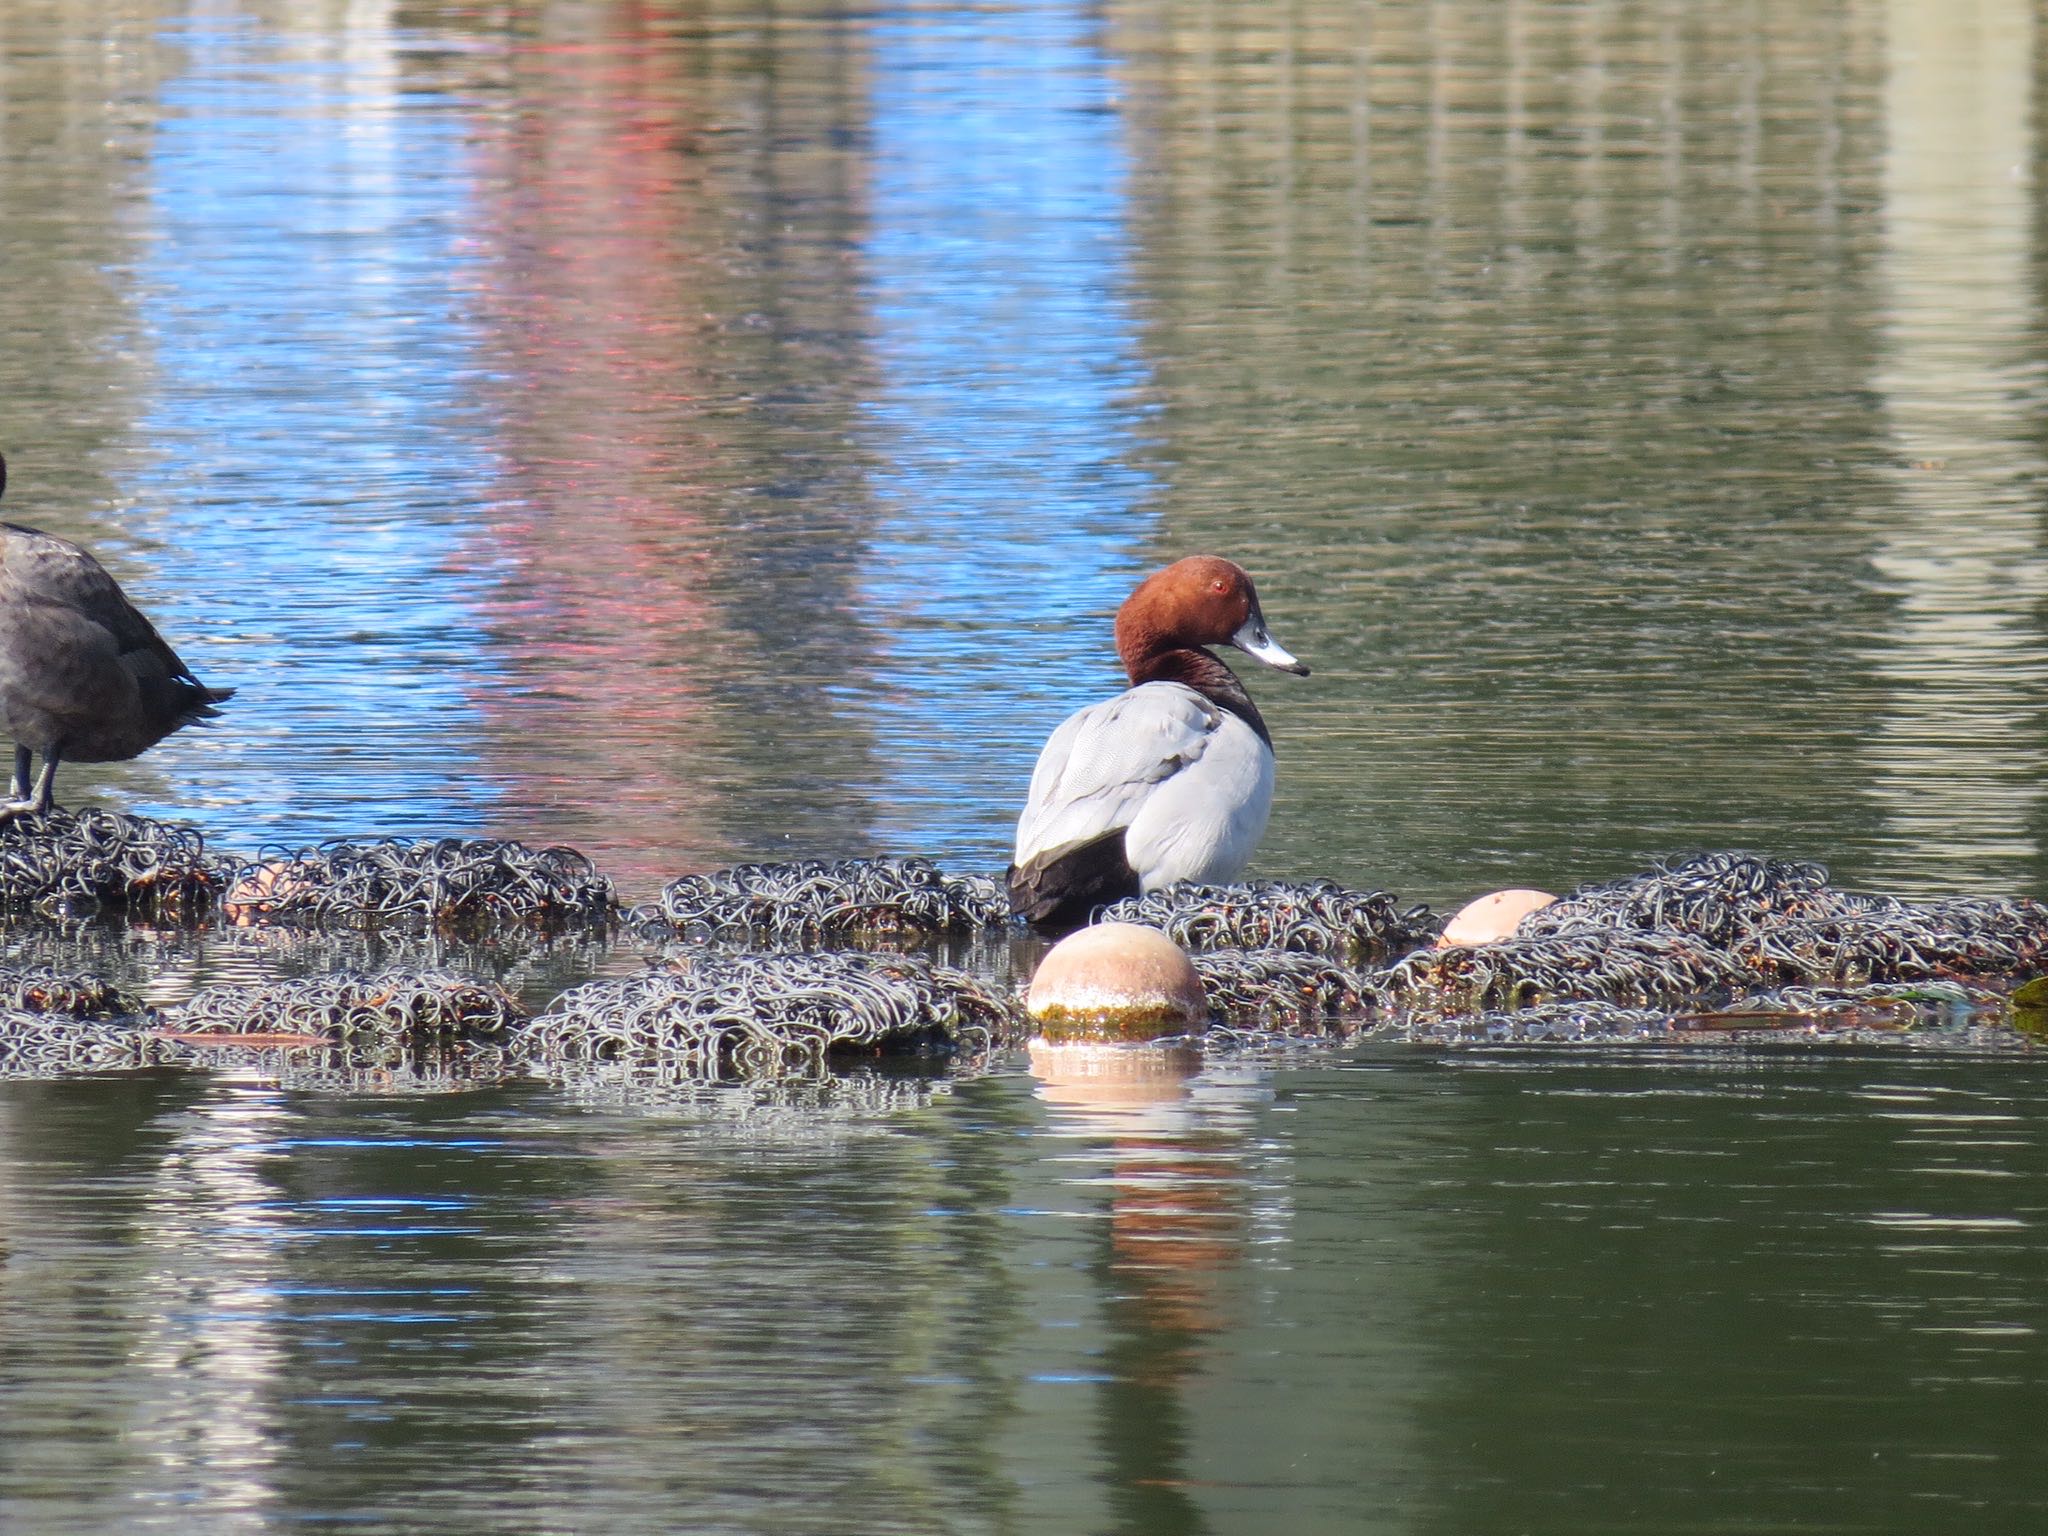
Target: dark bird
{"x": 1171, "y": 779}
{"x": 84, "y": 677}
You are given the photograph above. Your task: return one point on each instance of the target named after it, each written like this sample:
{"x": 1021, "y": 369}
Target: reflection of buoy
{"x": 1116, "y": 981}
{"x": 1088, "y": 1074}
{"x": 1491, "y": 917}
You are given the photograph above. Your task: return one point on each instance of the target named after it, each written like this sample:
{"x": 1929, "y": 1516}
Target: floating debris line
{"x": 1716, "y": 946}
{"x": 449, "y": 882}
{"x": 710, "y": 1015}
{"x": 819, "y": 901}
{"x": 1318, "y": 917}
{"x": 1877, "y": 962}
{"x": 417, "y": 1008}
{"x": 69, "y": 864}
{"x": 396, "y": 1032}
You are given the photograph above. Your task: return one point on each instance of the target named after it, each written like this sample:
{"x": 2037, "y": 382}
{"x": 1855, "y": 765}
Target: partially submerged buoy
{"x": 1490, "y": 918}
{"x": 1116, "y": 981}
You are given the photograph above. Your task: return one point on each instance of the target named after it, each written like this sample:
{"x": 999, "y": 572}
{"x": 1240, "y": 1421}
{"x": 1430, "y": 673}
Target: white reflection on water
{"x": 207, "y": 1340}
{"x": 300, "y": 301}
{"x": 1962, "y": 543}
{"x": 1006, "y": 414}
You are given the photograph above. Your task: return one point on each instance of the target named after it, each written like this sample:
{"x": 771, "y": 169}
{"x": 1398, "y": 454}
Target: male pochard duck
{"x": 83, "y": 675}
{"x": 1171, "y": 779}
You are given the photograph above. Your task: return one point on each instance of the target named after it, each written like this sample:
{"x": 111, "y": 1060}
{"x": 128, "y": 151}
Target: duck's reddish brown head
{"x": 1202, "y": 600}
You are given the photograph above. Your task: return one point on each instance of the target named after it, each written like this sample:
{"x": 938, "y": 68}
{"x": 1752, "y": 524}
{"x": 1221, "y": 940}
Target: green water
{"x": 699, "y": 433}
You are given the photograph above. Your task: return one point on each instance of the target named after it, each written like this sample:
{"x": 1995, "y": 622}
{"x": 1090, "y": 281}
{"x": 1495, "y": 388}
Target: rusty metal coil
{"x": 1903, "y": 942}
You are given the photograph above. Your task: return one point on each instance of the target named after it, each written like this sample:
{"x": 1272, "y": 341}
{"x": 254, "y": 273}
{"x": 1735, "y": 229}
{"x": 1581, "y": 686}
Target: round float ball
{"x": 1116, "y": 981}
{"x": 1492, "y": 917}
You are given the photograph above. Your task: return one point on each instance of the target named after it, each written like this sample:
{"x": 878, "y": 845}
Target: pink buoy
{"x": 1116, "y": 981}
{"x": 1492, "y": 917}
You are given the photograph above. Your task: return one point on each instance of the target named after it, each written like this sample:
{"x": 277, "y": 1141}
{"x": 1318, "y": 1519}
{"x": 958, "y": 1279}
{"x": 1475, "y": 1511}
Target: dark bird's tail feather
{"x": 201, "y": 709}
{"x": 1059, "y": 893}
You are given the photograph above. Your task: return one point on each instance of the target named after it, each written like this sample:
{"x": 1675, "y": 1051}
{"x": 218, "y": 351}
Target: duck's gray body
{"x": 84, "y": 677}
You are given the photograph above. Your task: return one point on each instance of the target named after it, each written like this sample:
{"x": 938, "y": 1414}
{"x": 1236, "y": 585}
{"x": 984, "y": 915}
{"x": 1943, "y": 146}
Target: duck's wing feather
{"x": 41, "y": 569}
{"x": 1098, "y": 768}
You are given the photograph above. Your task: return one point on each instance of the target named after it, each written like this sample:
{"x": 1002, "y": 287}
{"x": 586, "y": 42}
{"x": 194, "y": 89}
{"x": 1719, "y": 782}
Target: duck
{"x": 84, "y": 677}
{"x": 1171, "y": 780}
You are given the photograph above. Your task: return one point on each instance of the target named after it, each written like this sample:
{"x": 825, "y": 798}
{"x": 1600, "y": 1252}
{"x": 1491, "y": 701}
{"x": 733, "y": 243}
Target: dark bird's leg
{"x": 27, "y": 804}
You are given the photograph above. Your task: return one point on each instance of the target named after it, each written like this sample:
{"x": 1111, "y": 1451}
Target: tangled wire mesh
{"x": 52, "y": 1024}
{"x": 72, "y": 863}
{"x": 711, "y": 1015}
{"x": 816, "y": 901}
{"x": 1903, "y": 942}
{"x": 1282, "y": 991}
{"x": 420, "y": 1009}
{"x": 45, "y": 1045}
{"x": 1640, "y": 970}
{"x": 1786, "y": 924}
{"x": 42, "y": 990}
{"x": 1716, "y": 896}
{"x": 447, "y": 882}
{"x": 1317, "y": 917}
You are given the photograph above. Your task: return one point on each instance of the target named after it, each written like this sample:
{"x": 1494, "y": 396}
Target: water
{"x": 1696, "y": 1292}
{"x": 698, "y": 433}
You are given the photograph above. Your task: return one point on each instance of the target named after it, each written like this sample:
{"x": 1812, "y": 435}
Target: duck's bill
{"x": 1253, "y": 640}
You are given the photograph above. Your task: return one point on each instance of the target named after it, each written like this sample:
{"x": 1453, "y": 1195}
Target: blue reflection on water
{"x": 300, "y": 297}
{"x": 1012, "y": 515}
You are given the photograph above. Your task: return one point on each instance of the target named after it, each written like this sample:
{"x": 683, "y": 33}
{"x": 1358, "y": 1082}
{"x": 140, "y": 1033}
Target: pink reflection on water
{"x": 590, "y": 292}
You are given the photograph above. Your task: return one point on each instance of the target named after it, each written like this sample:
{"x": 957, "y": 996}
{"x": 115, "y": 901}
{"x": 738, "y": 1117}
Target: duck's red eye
{"x": 1219, "y": 586}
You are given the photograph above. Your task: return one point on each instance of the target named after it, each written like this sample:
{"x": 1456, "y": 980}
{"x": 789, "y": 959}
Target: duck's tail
{"x": 1058, "y": 892}
{"x": 201, "y": 702}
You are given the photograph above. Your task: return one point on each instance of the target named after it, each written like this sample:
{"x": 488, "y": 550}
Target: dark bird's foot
{"x": 23, "y": 801}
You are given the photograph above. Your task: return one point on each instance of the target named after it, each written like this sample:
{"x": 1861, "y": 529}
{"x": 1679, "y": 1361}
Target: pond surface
{"x": 701, "y": 432}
